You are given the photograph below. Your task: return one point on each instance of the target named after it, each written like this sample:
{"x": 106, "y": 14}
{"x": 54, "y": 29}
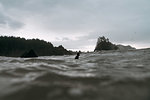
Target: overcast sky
{"x": 76, "y": 24}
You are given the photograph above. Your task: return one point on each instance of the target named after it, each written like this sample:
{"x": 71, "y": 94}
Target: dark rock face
{"x": 29, "y": 54}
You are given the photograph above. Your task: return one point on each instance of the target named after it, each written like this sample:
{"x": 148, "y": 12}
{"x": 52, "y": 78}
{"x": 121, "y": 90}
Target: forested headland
{"x": 16, "y": 46}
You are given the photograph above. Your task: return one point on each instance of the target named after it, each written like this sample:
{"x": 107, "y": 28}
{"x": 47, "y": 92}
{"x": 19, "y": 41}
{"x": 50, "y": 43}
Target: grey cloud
{"x": 119, "y": 20}
{"x": 62, "y": 39}
{"x": 6, "y": 21}
{"x": 78, "y": 44}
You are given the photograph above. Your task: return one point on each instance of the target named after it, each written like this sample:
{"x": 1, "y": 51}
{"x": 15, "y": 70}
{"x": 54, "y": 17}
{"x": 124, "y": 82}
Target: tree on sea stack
{"x": 104, "y": 44}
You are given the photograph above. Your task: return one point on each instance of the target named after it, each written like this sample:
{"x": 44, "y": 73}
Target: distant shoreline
{"x": 15, "y": 46}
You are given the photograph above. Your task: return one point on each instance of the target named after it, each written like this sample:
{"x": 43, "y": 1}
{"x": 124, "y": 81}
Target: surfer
{"x": 77, "y": 56}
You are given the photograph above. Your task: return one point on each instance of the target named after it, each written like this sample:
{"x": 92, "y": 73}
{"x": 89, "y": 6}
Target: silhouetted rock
{"x": 29, "y": 54}
{"x": 104, "y": 44}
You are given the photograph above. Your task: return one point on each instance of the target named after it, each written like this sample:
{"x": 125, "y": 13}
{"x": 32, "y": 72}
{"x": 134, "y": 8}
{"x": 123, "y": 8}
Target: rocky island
{"x": 104, "y": 44}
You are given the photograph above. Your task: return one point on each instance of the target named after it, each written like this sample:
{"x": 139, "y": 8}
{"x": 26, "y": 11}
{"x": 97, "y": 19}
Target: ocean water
{"x": 111, "y": 75}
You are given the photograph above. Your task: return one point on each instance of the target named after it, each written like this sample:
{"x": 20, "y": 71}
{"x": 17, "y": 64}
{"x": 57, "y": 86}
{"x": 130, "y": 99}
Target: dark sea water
{"x": 112, "y": 75}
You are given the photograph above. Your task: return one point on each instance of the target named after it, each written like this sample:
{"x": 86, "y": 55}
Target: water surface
{"x": 112, "y": 75}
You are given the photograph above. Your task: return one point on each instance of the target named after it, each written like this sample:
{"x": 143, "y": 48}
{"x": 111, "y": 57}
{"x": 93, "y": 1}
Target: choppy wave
{"x": 113, "y": 75}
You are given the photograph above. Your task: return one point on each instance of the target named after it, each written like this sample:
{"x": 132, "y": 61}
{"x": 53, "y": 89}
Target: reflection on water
{"x": 95, "y": 76}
